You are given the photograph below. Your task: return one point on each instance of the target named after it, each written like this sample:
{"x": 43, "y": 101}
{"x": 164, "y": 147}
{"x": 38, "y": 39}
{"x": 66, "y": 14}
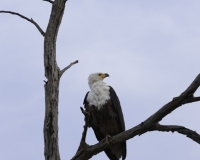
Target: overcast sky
{"x": 150, "y": 49}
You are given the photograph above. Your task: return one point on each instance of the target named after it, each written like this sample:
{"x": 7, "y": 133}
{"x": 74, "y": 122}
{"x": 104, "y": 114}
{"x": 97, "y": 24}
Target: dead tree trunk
{"x": 53, "y": 74}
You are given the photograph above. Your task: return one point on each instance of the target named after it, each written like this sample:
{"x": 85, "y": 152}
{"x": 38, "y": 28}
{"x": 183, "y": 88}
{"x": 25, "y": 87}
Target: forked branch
{"x": 180, "y": 129}
{"x": 30, "y": 20}
{"x": 184, "y": 98}
{"x": 150, "y": 124}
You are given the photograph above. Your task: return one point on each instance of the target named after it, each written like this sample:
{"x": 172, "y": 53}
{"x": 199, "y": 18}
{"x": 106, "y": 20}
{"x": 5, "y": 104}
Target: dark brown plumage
{"x": 108, "y": 120}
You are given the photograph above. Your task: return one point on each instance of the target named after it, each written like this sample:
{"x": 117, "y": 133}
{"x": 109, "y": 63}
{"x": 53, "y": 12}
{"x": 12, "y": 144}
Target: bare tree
{"x": 53, "y": 75}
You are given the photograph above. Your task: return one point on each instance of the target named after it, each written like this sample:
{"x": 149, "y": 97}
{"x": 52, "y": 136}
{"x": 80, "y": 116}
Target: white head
{"x": 95, "y": 77}
{"x": 99, "y": 90}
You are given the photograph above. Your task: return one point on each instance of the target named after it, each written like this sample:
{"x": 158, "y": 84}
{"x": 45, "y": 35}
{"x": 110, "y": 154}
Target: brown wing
{"x": 98, "y": 133}
{"x": 120, "y": 117}
{"x": 116, "y": 107}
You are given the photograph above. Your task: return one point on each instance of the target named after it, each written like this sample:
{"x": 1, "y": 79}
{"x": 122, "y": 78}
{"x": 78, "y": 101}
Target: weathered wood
{"x": 52, "y": 73}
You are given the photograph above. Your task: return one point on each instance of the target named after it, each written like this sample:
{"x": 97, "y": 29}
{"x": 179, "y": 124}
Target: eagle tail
{"x": 110, "y": 155}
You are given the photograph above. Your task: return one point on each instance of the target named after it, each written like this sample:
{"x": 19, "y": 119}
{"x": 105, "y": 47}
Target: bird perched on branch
{"x": 106, "y": 117}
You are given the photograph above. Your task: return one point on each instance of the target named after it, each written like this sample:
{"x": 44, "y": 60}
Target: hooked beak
{"x": 106, "y": 75}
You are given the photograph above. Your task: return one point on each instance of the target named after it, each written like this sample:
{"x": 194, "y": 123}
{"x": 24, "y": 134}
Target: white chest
{"x": 99, "y": 94}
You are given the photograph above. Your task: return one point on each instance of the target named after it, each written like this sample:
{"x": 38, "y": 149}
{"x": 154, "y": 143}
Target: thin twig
{"x": 66, "y": 68}
{"x": 30, "y": 20}
{"x": 49, "y": 1}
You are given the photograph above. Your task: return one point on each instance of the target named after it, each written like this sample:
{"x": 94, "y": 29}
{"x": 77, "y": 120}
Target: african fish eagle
{"x": 106, "y": 117}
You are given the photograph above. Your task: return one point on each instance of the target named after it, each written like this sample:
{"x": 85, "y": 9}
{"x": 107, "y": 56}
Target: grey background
{"x": 149, "y": 48}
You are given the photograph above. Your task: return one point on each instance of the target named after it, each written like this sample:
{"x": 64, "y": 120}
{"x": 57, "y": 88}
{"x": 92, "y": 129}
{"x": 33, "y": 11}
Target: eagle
{"x": 106, "y": 117}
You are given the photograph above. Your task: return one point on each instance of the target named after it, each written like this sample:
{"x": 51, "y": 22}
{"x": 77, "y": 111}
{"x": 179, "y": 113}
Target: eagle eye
{"x": 99, "y": 74}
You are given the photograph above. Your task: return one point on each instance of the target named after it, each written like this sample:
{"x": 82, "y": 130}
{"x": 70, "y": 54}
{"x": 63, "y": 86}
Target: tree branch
{"x": 30, "y": 20}
{"x": 191, "y": 99}
{"x": 66, "y": 68}
{"x": 184, "y": 98}
{"x": 86, "y": 124}
{"x": 48, "y": 1}
{"x": 180, "y": 129}
{"x": 83, "y": 145}
{"x": 150, "y": 124}
{"x": 52, "y": 74}
{"x": 87, "y": 153}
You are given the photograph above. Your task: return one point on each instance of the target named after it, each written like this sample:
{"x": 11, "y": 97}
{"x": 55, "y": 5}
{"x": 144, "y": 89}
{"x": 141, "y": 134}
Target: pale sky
{"x": 150, "y": 49}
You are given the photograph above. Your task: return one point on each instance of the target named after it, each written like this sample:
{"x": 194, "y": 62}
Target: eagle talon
{"x": 108, "y": 138}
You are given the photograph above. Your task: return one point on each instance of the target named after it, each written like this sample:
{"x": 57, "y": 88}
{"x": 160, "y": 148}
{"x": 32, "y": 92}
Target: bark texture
{"x": 52, "y": 73}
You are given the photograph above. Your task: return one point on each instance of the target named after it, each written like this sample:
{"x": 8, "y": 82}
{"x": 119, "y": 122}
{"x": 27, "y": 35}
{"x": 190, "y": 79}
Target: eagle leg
{"x": 108, "y": 138}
